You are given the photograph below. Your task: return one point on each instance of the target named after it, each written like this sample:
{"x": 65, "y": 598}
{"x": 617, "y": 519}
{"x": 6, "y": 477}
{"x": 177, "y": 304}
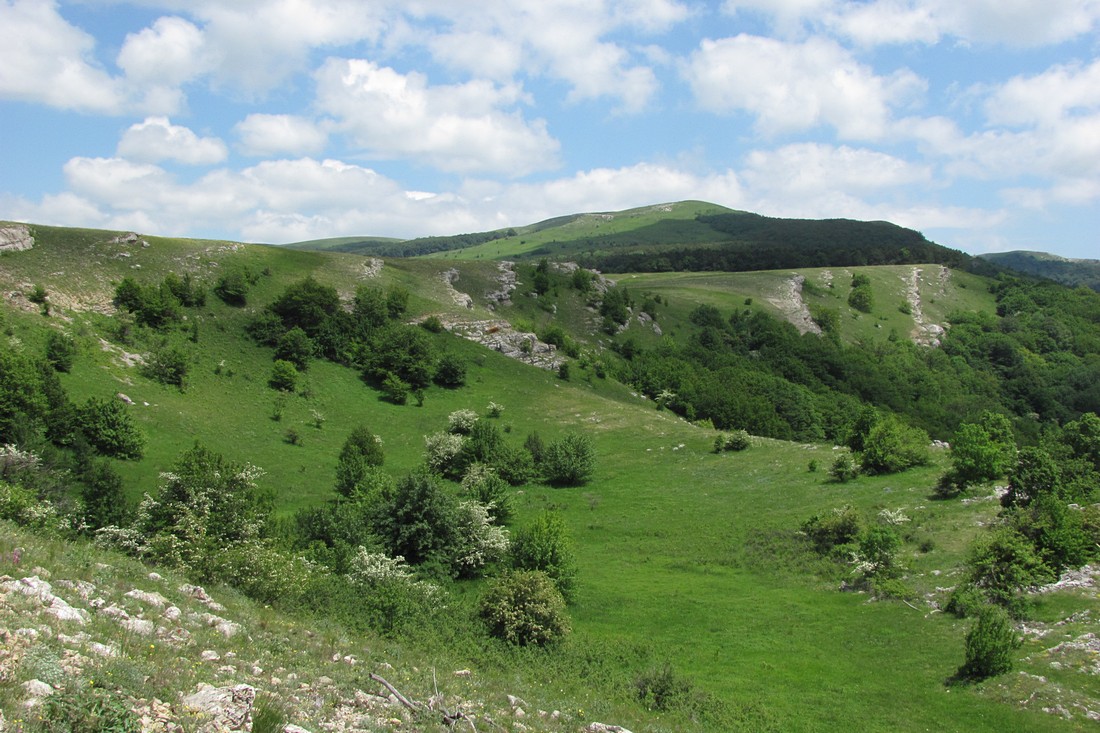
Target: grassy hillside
{"x": 686, "y": 557}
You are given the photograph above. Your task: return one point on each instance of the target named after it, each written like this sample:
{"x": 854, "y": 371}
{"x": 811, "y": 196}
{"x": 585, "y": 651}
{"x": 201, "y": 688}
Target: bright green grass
{"x": 575, "y": 230}
{"x": 684, "y": 555}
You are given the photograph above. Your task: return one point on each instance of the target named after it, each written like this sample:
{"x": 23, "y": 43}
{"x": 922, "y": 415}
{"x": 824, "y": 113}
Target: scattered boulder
{"x": 15, "y": 238}
{"x": 229, "y": 707}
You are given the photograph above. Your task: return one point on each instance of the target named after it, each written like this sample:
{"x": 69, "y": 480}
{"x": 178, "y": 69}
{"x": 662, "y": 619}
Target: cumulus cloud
{"x": 812, "y": 169}
{"x": 48, "y": 61}
{"x": 1022, "y": 24}
{"x": 264, "y": 134}
{"x": 792, "y": 87}
{"x": 157, "y": 139}
{"x": 458, "y": 127}
{"x": 1046, "y": 98}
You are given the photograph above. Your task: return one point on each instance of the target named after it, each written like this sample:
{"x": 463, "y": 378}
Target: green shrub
{"x": 892, "y": 446}
{"x": 662, "y": 690}
{"x": 838, "y": 529}
{"x": 990, "y": 644}
{"x": 545, "y": 545}
{"x": 482, "y": 484}
{"x": 1003, "y": 563}
{"x": 844, "y": 468}
{"x": 524, "y": 608}
{"x": 432, "y": 324}
{"x": 419, "y": 521}
{"x": 167, "y": 365}
{"x": 569, "y": 461}
{"x": 108, "y": 428}
{"x": 83, "y": 709}
{"x": 60, "y": 351}
{"x": 284, "y": 376}
{"x": 361, "y": 452}
{"x": 450, "y": 371}
{"x": 737, "y": 440}
{"x": 395, "y": 389}
{"x": 296, "y": 347}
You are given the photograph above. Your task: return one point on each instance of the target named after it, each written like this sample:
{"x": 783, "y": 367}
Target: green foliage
{"x": 306, "y": 304}
{"x": 22, "y": 401}
{"x": 893, "y": 446}
{"x": 167, "y": 364}
{"x": 544, "y": 544}
{"x": 840, "y": 528}
{"x": 569, "y": 461}
{"x": 845, "y": 468}
{"x": 1036, "y": 474}
{"x": 186, "y": 290}
{"x": 563, "y": 371}
{"x": 418, "y": 522}
{"x": 395, "y": 388}
{"x": 109, "y": 429}
{"x": 397, "y": 302}
{"x": 482, "y": 484}
{"x": 432, "y": 324}
{"x": 405, "y": 352}
{"x": 284, "y": 376}
{"x": 155, "y": 306}
{"x": 661, "y": 689}
{"x": 990, "y": 645}
{"x": 361, "y": 451}
{"x": 450, "y": 372}
{"x": 983, "y": 451}
{"x": 738, "y": 440}
{"x": 84, "y": 709}
{"x": 60, "y": 351}
{"x": 103, "y": 496}
{"x": 233, "y": 285}
{"x": 296, "y": 347}
{"x": 524, "y": 608}
{"x": 862, "y": 298}
{"x": 1002, "y": 563}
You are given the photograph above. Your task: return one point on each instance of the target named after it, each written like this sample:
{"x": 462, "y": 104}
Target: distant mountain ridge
{"x": 1064, "y": 270}
{"x": 681, "y": 236}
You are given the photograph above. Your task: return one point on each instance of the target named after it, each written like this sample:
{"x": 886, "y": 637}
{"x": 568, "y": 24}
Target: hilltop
{"x": 1071, "y": 272}
{"x": 699, "y": 603}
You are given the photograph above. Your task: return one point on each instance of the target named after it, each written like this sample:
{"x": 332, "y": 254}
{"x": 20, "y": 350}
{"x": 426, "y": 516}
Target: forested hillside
{"x": 627, "y": 498}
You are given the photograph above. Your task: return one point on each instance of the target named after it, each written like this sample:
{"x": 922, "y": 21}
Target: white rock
{"x": 172, "y": 613}
{"x": 35, "y": 689}
{"x": 230, "y": 707}
{"x": 209, "y": 655}
{"x": 152, "y": 599}
{"x": 139, "y": 626}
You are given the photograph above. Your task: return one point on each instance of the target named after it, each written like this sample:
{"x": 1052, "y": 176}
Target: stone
{"x": 152, "y": 599}
{"x": 209, "y": 655}
{"x": 230, "y": 707}
{"x": 139, "y": 626}
{"x": 15, "y": 238}
{"x": 605, "y": 728}
{"x": 36, "y": 689}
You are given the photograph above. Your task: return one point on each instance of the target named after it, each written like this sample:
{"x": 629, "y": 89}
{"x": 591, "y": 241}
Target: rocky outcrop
{"x": 506, "y": 285}
{"x": 790, "y": 304}
{"x": 500, "y": 336}
{"x": 229, "y": 708}
{"x": 15, "y": 238}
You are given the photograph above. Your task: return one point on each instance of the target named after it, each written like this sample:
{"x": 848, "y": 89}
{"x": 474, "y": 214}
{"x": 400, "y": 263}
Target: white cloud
{"x": 1046, "y": 98}
{"x": 452, "y": 127}
{"x": 792, "y": 87}
{"x": 264, "y": 134}
{"x": 1020, "y": 23}
{"x": 168, "y": 53}
{"x": 157, "y": 139}
{"x": 811, "y": 169}
{"x": 48, "y": 61}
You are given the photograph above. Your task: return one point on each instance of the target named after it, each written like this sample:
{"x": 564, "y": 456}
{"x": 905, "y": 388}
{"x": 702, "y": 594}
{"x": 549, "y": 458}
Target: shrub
{"x": 569, "y": 461}
{"x": 60, "y": 351}
{"x": 514, "y": 465}
{"x": 482, "y": 484}
{"x": 80, "y": 708}
{"x": 108, "y": 428}
{"x": 838, "y": 529}
{"x": 982, "y": 451}
{"x": 876, "y": 555}
{"x": 524, "y": 608}
{"x": 419, "y": 521}
{"x": 103, "y": 496}
{"x": 284, "y": 376}
{"x": 544, "y": 545}
{"x": 737, "y": 440}
{"x": 861, "y": 298}
{"x": 432, "y": 324}
{"x": 232, "y": 287}
{"x": 990, "y": 644}
{"x": 461, "y": 421}
{"x": 361, "y": 451}
{"x": 1003, "y": 563}
{"x": 892, "y": 446}
{"x": 296, "y": 347}
{"x": 450, "y": 371}
{"x": 844, "y": 468}
{"x": 480, "y": 541}
{"x": 441, "y": 450}
{"x": 494, "y": 410}
{"x": 395, "y": 389}
{"x": 661, "y": 689}
{"x": 167, "y": 365}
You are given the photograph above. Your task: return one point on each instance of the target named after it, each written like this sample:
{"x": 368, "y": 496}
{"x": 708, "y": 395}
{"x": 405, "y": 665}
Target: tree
{"x": 1036, "y": 474}
{"x": 990, "y": 644}
{"x": 232, "y": 287}
{"x": 524, "y": 608}
{"x": 306, "y": 304}
{"x": 569, "y": 461}
{"x": 104, "y": 499}
{"x": 296, "y": 347}
{"x": 450, "y": 371}
{"x": 861, "y": 298}
{"x": 893, "y": 446}
{"x": 419, "y": 522}
{"x": 362, "y": 450}
{"x": 60, "y": 350}
{"x": 544, "y": 545}
{"x": 397, "y": 302}
{"x": 167, "y": 365}
{"x": 108, "y": 428}
{"x": 982, "y": 451}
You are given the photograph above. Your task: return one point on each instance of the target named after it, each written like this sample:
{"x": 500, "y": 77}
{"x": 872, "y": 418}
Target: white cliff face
{"x": 15, "y": 238}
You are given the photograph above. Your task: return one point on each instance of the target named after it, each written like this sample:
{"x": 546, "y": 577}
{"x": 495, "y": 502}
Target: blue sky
{"x": 976, "y": 122}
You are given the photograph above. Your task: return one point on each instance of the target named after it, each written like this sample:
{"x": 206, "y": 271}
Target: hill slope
{"x": 688, "y": 560}
{"x": 1071, "y": 272}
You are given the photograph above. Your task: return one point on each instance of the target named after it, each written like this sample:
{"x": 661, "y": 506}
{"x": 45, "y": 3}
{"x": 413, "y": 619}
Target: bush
{"x": 737, "y": 440}
{"x": 60, "y": 351}
{"x": 395, "y": 389}
{"x": 989, "y": 645}
{"x": 450, "y": 371}
{"x": 524, "y": 608}
{"x": 844, "y": 468}
{"x": 544, "y": 545}
{"x": 80, "y": 709}
{"x": 661, "y": 689}
{"x": 108, "y": 428}
{"x": 167, "y": 365}
{"x": 1003, "y": 563}
{"x": 461, "y": 421}
{"x": 441, "y": 452}
{"x": 232, "y": 287}
{"x": 361, "y": 451}
{"x": 984, "y": 451}
{"x": 838, "y": 529}
{"x": 569, "y": 461}
{"x": 482, "y": 484}
{"x": 419, "y": 522}
{"x": 296, "y": 347}
{"x": 892, "y": 446}
{"x": 284, "y": 376}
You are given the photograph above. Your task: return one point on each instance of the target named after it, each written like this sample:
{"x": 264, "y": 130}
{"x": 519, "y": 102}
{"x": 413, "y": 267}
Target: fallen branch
{"x": 400, "y": 698}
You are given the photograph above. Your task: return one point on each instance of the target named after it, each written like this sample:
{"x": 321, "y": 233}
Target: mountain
{"x": 1071, "y": 272}
{"x": 699, "y": 602}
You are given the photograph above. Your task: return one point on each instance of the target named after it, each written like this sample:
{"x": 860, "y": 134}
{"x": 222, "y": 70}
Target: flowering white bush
{"x": 376, "y": 570}
{"x": 494, "y": 409}
{"x": 461, "y": 421}
{"x": 12, "y": 459}
{"x": 480, "y": 541}
{"x": 893, "y": 517}
{"x": 441, "y": 449}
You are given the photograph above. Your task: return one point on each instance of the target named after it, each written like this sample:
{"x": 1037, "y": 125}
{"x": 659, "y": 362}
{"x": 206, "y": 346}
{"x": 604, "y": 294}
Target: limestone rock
{"x": 15, "y": 238}
{"x": 229, "y": 707}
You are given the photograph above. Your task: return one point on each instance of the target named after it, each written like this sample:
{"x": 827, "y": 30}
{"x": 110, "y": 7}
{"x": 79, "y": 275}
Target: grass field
{"x": 686, "y": 556}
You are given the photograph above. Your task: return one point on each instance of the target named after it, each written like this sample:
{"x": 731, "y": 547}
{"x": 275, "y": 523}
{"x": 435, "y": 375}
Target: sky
{"x": 976, "y": 122}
